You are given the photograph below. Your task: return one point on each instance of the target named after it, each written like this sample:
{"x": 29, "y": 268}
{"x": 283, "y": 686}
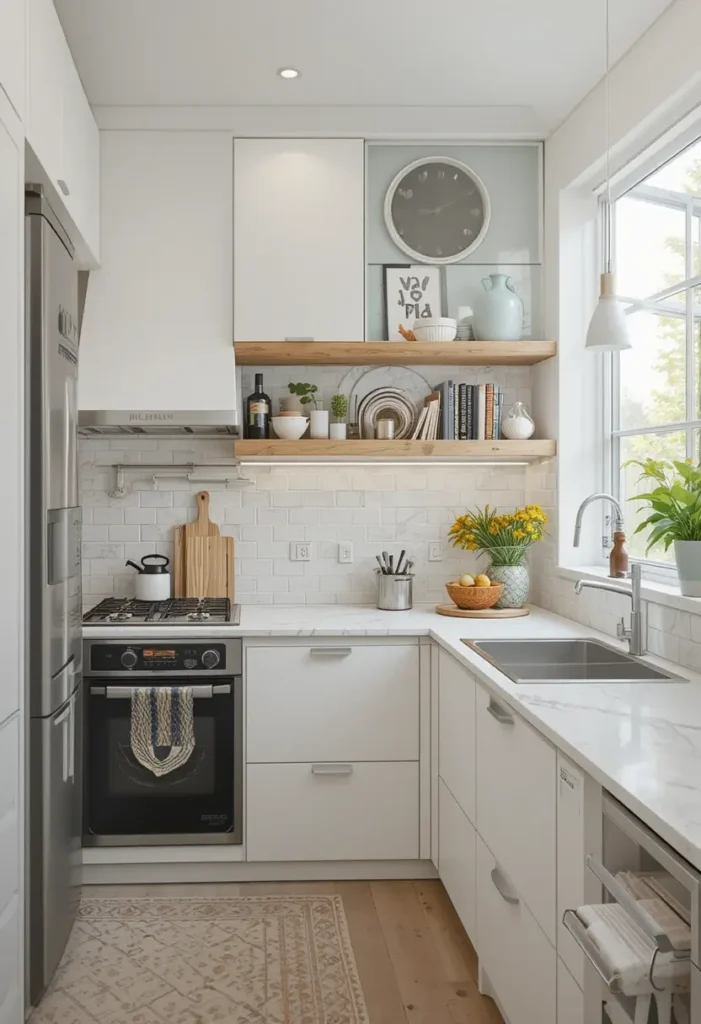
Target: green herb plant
{"x": 674, "y": 503}
{"x": 339, "y": 407}
{"x": 305, "y": 392}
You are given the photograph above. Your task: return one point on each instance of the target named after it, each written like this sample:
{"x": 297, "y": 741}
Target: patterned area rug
{"x": 252, "y": 959}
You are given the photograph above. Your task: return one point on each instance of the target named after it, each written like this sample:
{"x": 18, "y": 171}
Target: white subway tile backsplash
{"x": 93, "y": 533}
{"x": 155, "y": 499}
{"x": 124, "y": 533}
{"x": 139, "y": 516}
{"x": 107, "y": 516}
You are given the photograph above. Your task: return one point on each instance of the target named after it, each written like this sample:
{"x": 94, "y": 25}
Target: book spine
{"x": 481, "y": 408}
{"x": 469, "y": 411}
{"x": 498, "y": 398}
{"x": 451, "y": 411}
{"x": 489, "y": 412}
{"x": 462, "y": 413}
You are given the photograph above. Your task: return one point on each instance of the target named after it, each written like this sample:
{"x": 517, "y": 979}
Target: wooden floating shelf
{"x": 488, "y": 451}
{"x": 393, "y": 353}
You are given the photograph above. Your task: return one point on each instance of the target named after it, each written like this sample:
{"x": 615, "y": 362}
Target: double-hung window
{"x": 655, "y": 391}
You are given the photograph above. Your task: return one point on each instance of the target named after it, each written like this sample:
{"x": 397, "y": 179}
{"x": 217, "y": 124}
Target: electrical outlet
{"x": 435, "y": 551}
{"x": 300, "y": 552}
{"x": 345, "y": 551}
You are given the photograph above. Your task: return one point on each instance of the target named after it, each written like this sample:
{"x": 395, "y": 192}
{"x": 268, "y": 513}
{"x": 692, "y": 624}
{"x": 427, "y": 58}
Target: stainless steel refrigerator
{"x": 54, "y": 667}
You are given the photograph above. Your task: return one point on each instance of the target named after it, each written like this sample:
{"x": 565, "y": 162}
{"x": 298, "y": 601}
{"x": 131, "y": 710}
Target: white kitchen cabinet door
{"x": 80, "y": 174}
{"x": 10, "y": 901}
{"x": 513, "y": 951}
{"x": 299, "y": 226}
{"x": 46, "y": 56}
{"x": 457, "y": 753}
{"x": 570, "y": 998}
{"x": 13, "y": 53}
{"x": 11, "y": 403}
{"x": 308, "y": 812}
{"x": 516, "y": 804}
{"x": 157, "y": 330}
{"x": 350, "y": 702}
{"x": 456, "y": 860}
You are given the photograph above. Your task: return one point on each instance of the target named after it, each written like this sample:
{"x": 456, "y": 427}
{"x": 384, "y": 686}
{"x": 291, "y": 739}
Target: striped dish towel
{"x": 162, "y": 716}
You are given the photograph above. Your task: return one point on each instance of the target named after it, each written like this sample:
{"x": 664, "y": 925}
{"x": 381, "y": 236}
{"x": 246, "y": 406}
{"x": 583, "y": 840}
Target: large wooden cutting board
{"x": 203, "y": 559}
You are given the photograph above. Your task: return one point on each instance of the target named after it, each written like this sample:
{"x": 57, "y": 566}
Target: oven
{"x": 127, "y": 804}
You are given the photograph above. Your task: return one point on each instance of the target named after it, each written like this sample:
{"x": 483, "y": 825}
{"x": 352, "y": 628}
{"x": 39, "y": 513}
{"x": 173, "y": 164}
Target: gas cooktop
{"x": 176, "y": 611}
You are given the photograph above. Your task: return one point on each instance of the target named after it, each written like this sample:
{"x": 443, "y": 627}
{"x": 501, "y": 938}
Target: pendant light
{"x": 608, "y": 328}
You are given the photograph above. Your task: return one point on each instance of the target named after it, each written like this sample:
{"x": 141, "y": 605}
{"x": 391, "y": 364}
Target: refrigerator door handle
{"x": 64, "y": 721}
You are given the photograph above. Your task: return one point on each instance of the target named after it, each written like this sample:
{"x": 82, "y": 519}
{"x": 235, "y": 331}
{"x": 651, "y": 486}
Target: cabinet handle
{"x": 330, "y": 652}
{"x": 500, "y": 885}
{"x": 63, "y": 186}
{"x": 332, "y": 769}
{"x": 497, "y": 711}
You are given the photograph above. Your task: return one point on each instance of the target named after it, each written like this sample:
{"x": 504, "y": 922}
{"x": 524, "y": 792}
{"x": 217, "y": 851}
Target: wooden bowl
{"x": 474, "y": 598}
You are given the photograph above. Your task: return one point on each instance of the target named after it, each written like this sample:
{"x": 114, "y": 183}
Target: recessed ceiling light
{"x": 288, "y": 72}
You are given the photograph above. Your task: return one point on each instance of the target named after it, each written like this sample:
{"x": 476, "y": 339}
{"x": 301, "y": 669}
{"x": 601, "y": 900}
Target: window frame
{"x": 690, "y": 205}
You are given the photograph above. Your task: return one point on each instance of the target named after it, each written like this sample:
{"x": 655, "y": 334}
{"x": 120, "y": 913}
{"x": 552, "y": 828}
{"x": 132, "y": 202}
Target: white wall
{"x": 654, "y": 86}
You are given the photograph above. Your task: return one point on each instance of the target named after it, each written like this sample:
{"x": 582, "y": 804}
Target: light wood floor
{"x": 415, "y": 961}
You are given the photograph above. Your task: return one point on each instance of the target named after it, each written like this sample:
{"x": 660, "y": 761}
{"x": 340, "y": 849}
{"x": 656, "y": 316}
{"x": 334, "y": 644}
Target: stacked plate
{"x": 388, "y": 404}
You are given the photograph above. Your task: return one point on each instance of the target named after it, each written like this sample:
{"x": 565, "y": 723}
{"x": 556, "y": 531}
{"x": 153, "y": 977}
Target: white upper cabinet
{"x": 299, "y": 221}
{"x": 157, "y": 331}
{"x": 61, "y": 128}
{"x": 13, "y": 14}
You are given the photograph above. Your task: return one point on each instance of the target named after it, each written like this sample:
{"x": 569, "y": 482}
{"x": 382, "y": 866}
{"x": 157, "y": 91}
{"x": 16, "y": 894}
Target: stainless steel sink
{"x": 568, "y": 661}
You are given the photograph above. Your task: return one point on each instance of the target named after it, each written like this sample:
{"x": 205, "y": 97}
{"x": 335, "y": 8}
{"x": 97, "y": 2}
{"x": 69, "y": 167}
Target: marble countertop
{"x": 641, "y": 741}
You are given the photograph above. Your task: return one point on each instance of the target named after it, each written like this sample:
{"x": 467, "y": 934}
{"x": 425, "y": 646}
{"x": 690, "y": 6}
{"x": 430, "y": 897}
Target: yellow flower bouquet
{"x": 505, "y": 537}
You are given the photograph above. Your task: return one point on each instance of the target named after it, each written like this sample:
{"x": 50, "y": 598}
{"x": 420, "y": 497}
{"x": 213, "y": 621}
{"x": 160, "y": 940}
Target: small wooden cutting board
{"x": 203, "y": 559}
{"x": 482, "y": 613}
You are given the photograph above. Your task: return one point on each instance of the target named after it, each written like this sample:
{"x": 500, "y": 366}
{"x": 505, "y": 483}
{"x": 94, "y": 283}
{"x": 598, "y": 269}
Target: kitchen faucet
{"x": 586, "y": 503}
{"x": 635, "y": 634}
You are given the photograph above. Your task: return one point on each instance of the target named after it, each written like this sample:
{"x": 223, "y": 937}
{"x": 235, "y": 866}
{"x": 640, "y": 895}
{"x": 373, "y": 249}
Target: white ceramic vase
{"x": 688, "y": 557}
{"x": 319, "y": 424}
{"x": 337, "y": 431}
{"x": 498, "y": 311}
{"x": 516, "y": 424}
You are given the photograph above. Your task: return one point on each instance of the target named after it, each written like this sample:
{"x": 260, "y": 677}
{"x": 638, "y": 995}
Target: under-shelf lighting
{"x": 345, "y": 460}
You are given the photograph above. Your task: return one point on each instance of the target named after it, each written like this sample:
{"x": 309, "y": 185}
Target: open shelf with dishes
{"x": 435, "y": 451}
{"x": 393, "y": 353}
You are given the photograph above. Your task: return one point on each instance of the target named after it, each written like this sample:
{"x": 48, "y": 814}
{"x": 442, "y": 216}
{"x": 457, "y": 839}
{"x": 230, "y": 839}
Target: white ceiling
{"x": 546, "y": 54}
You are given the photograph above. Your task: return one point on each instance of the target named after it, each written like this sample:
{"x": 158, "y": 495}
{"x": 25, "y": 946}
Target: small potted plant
{"x": 674, "y": 503}
{"x": 318, "y": 418}
{"x": 506, "y": 538}
{"x": 301, "y": 395}
{"x": 339, "y": 411}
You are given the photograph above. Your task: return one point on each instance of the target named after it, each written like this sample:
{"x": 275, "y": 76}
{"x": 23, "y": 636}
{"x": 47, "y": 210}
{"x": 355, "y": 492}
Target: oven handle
{"x": 125, "y": 692}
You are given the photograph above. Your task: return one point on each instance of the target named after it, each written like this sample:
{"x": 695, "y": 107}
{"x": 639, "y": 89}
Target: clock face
{"x": 437, "y": 210}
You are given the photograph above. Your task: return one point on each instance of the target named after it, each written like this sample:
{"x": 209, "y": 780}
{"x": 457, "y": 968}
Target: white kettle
{"x": 153, "y": 580}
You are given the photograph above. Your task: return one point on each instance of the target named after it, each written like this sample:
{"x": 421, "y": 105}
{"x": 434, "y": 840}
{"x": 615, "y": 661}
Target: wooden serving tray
{"x": 483, "y": 613}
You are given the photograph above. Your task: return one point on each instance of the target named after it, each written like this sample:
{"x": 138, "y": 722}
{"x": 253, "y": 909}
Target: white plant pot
{"x": 319, "y": 427}
{"x": 688, "y": 557}
{"x": 337, "y": 431}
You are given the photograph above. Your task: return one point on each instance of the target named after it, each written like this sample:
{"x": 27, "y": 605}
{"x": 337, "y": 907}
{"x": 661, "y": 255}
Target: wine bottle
{"x": 258, "y": 408}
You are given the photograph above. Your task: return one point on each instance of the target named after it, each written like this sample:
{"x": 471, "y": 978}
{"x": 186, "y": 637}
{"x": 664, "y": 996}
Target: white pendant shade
{"x": 608, "y": 329}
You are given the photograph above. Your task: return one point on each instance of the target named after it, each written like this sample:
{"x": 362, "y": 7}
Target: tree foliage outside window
{"x": 656, "y": 411}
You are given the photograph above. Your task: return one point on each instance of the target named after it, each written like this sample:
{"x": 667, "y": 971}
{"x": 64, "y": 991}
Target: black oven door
{"x": 200, "y": 802}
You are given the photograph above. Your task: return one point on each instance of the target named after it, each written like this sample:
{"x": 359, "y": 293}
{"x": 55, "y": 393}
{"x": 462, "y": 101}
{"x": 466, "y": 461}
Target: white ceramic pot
{"x": 319, "y": 428}
{"x": 153, "y": 586}
{"x": 337, "y": 431}
{"x": 688, "y": 556}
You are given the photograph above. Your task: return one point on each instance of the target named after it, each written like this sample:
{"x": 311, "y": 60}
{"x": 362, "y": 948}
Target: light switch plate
{"x": 345, "y": 551}
{"x": 435, "y": 551}
{"x": 300, "y": 552}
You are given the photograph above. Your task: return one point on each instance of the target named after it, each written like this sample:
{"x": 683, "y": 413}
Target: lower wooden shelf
{"x": 489, "y": 451}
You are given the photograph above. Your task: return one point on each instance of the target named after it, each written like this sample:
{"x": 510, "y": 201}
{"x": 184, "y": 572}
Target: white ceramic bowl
{"x": 290, "y": 428}
{"x": 441, "y": 328}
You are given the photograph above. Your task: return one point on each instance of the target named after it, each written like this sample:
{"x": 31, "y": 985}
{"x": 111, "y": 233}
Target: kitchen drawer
{"x": 513, "y": 951}
{"x": 456, "y": 737}
{"x": 516, "y": 804}
{"x": 570, "y": 998}
{"x": 456, "y": 858}
{"x": 9, "y": 812}
{"x": 307, "y": 812}
{"x": 332, "y": 703}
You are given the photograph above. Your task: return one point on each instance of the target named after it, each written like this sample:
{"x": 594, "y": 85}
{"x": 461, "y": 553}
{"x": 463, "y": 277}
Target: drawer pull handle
{"x": 63, "y": 186}
{"x": 332, "y": 769}
{"x": 330, "y": 652}
{"x": 499, "y": 883}
{"x": 497, "y": 711}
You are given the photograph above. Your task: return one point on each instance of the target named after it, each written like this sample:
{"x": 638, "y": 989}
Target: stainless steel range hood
{"x": 157, "y": 423}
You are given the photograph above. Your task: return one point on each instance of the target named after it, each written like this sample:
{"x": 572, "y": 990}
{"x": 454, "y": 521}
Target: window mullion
{"x": 690, "y": 355}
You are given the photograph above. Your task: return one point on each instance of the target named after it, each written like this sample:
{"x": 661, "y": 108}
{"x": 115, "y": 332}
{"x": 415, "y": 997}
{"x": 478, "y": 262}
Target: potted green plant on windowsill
{"x": 674, "y": 503}
{"x": 339, "y": 411}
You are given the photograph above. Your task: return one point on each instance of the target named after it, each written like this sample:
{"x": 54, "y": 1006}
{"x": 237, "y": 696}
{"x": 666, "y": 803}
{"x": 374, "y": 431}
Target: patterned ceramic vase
{"x": 516, "y": 584}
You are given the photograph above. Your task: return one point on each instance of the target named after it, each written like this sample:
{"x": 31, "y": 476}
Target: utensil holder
{"x": 394, "y": 593}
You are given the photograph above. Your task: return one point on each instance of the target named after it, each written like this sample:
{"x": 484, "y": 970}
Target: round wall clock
{"x": 437, "y": 210}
